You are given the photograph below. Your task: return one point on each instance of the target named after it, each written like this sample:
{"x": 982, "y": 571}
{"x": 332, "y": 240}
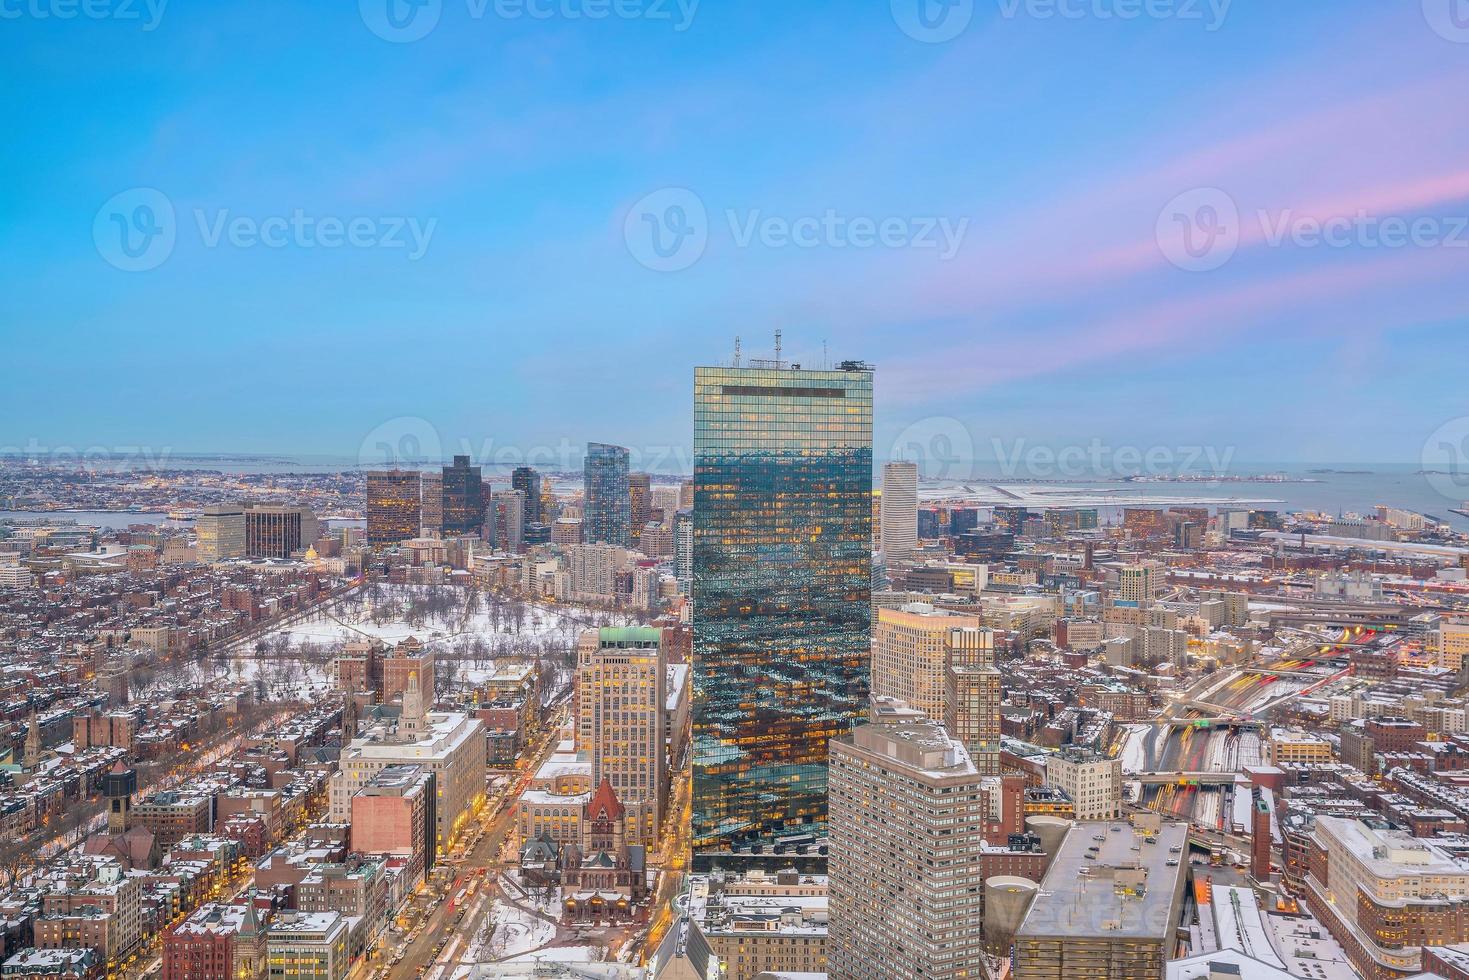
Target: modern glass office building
{"x": 781, "y": 590}
{"x": 464, "y": 504}
{"x": 607, "y": 510}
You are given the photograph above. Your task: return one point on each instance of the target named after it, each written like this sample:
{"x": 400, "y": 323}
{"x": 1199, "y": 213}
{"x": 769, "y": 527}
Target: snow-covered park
{"x": 471, "y": 630}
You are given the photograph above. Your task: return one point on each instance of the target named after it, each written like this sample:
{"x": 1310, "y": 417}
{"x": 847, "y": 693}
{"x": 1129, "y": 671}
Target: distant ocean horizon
{"x": 1332, "y": 488}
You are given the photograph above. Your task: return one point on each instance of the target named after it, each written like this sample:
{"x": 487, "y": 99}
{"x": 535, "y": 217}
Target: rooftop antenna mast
{"x": 777, "y": 348}
{"x": 737, "y": 351}
{"x": 825, "y": 362}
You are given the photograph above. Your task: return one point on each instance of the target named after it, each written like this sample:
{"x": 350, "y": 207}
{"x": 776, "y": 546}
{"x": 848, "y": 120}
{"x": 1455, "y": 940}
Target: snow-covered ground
{"x": 510, "y": 932}
{"x": 480, "y": 630}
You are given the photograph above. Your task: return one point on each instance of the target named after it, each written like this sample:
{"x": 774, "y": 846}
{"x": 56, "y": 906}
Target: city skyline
{"x": 1058, "y": 313}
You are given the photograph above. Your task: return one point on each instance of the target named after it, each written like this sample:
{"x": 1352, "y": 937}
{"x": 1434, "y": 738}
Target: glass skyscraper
{"x": 781, "y": 591}
{"x": 464, "y": 506}
{"x": 607, "y": 510}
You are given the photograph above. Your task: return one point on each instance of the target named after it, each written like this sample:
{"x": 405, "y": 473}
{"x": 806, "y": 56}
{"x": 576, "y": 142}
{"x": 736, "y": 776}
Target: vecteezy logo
{"x": 1446, "y": 459}
{"x": 667, "y": 230}
{"x": 1199, "y": 229}
{"x": 135, "y": 230}
{"x": 1448, "y": 18}
{"x": 933, "y": 21}
{"x": 941, "y": 446}
{"x": 406, "y": 441}
{"x": 400, "y": 21}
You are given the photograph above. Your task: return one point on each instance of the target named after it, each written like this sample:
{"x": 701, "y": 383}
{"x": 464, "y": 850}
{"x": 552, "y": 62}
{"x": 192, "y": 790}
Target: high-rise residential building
{"x": 392, "y": 506}
{"x": 1093, "y": 781}
{"x": 395, "y": 814}
{"x": 639, "y": 499}
{"x": 607, "y": 505}
{"x": 593, "y": 571}
{"x": 912, "y": 648}
{"x": 621, "y": 677}
{"x": 906, "y": 891}
{"x": 899, "y": 510}
{"x": 464, "y": 508}
{"x": 528, "y": 481}
{"x": 220, "y": 532}
{"x": 277, "y": 532}
{"x": 507, "y": 520}
{"x": 683, "y": 550}
{"x": 431, "y": 504}
{"x": 1136, "y": 583}
{"x": 1109, "y": 906}
{"x": 782, "y": 592}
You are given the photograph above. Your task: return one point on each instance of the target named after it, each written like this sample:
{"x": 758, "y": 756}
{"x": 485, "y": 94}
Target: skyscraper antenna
{"x": 737, "y": 350}
{"x": 825, "y": 363}
{"x": 777, "y": 347}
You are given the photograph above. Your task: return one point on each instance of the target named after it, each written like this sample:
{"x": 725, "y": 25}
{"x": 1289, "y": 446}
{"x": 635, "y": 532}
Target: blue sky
{"x": 1094, "y": 226}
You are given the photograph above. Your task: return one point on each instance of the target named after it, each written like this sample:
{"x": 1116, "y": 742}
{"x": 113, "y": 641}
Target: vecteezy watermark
{"x": 89, "y": 457}
{"x": 146, "y": 13}
{"x": 1201, "y": 230}
{"x": 1448, "y": 18}
{"x": 1445, "y": 460}
{"x": 937, "y": 21}
{"x": 933, "y": 21}
{"x": 1209, "y": 13}
{"x": 669, "y": 229}
{"x": 405, "y": 21}
{"x": 411, "y": 442}
{"x": 940, "y": 445}
{"x": 1097, "y": 460}
{"x": 403, "y": 441}
{"x": 137, "y": 229}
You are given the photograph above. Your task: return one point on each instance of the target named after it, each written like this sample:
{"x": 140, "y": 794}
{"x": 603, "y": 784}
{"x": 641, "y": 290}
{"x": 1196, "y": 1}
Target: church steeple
{"x": 33, "y": 742}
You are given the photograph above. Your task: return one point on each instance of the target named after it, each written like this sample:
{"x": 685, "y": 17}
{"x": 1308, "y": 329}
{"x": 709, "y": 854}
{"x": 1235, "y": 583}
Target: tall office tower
{"x": 392, "y": 506}
{"x": 431, "y": 504}
{"x": 275, "y": 532}
{"x": 620, "y": 680}
{"x": 683, "y": 550}
{"x": 507, "y": 520}
{"x": 686, "y": 495}
{"x": 607, "y": 506}
{"x": 464, "y": 506}
{"x": 782, "y": 591}
{"x": 911, "y": 653}
{"x": 220, "y": 531}
{"x": 528, "y": 481}
{"x": 640, "y": 499}
{"x": 899, "y": 510}
{"x": 905, "y": 889}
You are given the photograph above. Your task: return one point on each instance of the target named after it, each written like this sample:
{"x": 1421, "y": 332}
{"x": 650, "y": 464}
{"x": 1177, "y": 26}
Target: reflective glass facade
{"x": 607, "y": 510}
{"x": 781, "y": 591}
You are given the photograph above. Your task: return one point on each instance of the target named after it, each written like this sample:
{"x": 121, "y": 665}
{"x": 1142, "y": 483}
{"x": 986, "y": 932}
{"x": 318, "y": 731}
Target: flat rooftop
{"x": 1116, "y": 887}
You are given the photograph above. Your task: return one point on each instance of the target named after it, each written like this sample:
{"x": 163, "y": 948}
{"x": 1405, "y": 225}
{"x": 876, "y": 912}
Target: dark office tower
{"x": 528, "y": 481}
{"x": 782, "y": 590}
{"x": 278, "y": 532}
{"x": 640, "y": 498}
{"x": 393, "y": 511}
{"x": 464, "y": 507}
{"x": 962, "y": 520}
{"x": 607, "y": 509}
